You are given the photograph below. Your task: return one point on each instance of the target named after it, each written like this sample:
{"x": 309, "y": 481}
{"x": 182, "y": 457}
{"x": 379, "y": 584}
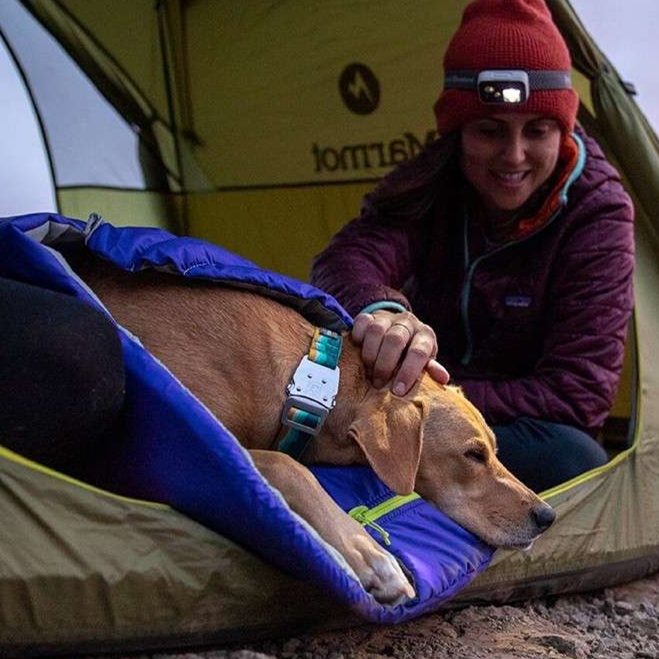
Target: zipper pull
{"x": 361, "y": 514}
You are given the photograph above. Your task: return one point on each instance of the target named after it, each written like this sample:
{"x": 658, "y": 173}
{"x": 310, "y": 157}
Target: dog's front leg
{"x": 377, "y": 570}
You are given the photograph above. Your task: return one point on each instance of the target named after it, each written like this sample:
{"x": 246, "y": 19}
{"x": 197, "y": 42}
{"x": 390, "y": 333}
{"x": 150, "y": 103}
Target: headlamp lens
{"x": 506, "y": 87}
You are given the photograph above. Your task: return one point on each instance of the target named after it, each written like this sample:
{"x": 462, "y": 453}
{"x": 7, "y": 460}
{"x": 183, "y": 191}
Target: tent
{"x": 259, "y": 126}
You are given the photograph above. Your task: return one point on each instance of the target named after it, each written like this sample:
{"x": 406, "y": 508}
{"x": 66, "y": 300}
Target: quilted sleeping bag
{"x": 177, "y": 456}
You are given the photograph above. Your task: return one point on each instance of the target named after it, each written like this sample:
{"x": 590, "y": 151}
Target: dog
{"x": 229, "y": 345}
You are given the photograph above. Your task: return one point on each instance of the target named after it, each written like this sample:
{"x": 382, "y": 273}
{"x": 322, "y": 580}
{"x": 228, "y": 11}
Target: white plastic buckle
{"x": 312, "y": 389}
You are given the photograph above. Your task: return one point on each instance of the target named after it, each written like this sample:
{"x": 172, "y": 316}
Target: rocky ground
{"x": 617, "y": 623}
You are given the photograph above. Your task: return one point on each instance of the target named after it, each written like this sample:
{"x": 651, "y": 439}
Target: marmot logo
{"x": 359, "y": 88}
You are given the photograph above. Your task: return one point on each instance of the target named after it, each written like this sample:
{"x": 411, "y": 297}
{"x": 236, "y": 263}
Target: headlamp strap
{"x": 538, "y": 80}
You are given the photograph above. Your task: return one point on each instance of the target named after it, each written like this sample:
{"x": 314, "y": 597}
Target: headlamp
{"x": 503, "y": 87}
{"x": 506, "y": 86}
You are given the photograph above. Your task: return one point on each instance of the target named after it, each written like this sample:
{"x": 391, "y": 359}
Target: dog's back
{"x": 234, "y": 349}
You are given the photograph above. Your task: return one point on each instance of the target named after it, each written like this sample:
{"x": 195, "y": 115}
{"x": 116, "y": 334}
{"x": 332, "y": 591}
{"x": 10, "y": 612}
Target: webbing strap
{"x": 311, "y": 392}
{"x": 538, "y": 80}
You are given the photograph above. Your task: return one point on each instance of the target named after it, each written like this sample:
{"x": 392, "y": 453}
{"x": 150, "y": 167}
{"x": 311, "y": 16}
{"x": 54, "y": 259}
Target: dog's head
{"x": 434, "y": 441}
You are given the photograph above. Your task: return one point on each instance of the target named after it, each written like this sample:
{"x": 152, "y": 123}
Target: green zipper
{"x": 366, "y": 516}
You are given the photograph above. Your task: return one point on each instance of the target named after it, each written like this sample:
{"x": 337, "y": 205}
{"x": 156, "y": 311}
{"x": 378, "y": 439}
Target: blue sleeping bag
{"x": 176, "y": 452}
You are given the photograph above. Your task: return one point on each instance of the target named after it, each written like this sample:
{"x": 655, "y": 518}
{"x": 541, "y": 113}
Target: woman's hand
{"x": 397, "y": 344}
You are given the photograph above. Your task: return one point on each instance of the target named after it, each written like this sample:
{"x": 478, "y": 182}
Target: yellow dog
{"x": 236, "y": 351}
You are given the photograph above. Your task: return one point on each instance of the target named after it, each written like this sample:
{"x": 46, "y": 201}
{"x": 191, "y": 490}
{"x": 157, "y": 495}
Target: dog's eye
{"x": 477, "y": 455}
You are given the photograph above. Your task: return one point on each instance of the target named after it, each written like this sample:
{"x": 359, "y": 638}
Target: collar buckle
{"x": 311, "y": 392}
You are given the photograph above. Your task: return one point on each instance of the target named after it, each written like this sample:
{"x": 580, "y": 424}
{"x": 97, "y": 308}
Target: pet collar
{"x": 311, "y": 392}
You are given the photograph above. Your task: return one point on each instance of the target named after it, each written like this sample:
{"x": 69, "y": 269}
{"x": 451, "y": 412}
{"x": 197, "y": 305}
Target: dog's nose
{"x": 543, "y": 516}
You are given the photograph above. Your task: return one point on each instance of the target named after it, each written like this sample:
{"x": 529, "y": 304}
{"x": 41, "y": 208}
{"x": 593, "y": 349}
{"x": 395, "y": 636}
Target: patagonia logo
{"x": 519, "y": 301}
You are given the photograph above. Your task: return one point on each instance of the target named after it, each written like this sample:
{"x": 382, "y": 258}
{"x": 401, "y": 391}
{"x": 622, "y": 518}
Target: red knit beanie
{"x": 506, "y": 34}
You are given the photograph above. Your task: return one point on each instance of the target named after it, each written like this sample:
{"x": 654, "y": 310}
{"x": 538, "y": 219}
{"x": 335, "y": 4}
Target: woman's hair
{"x": 410, "y": 190}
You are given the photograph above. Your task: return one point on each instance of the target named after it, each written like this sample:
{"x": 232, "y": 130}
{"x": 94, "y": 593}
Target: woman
{"x": 504, "y": 250}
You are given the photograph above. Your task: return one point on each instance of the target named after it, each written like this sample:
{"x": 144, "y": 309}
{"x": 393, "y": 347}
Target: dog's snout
{"x": 543, "y": 516}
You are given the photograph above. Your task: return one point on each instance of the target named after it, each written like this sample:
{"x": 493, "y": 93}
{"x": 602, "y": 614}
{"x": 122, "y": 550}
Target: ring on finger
{"x": 411, "y": 333}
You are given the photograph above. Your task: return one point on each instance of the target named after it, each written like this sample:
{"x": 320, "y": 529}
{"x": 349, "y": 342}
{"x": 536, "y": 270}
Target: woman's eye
{"x": 488, "y": 131}
{"x": 538, "y": 133}
{"x": 541, "y": 130}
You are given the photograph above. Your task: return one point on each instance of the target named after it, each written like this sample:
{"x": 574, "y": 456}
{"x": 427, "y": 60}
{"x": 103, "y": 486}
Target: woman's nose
{"x": 514, "y": 150}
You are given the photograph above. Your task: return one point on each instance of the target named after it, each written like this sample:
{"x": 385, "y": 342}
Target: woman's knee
{"x": 543, "y": 454}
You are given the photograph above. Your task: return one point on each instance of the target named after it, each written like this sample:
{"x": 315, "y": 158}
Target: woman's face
{"x": 507, "y": 157}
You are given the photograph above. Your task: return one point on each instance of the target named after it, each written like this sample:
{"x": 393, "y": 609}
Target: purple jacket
{"x": 533, "y": 327}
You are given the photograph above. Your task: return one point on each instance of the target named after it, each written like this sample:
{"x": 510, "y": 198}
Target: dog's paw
{"x": 379, "y": 572}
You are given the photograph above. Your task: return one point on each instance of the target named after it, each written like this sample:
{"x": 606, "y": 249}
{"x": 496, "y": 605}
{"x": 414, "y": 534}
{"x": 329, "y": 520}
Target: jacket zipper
{"x": 470, "y": 268}
{"x": 366, "y": 516}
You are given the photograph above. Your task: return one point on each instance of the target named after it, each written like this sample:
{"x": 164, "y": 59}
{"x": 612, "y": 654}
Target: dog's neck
{"x": 353, "y": 386}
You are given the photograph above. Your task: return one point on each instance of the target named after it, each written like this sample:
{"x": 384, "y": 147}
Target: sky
{"x": 25, "y": 178}
{"x": 627, "y": 32}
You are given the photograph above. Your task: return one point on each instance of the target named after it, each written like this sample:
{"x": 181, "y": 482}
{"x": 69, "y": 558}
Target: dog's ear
{"x": 389, "y": 431}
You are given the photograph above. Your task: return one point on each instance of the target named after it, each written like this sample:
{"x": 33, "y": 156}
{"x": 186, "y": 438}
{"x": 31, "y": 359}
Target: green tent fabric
{"x": 242, "y": 115}
{"x": 83, "y": 570}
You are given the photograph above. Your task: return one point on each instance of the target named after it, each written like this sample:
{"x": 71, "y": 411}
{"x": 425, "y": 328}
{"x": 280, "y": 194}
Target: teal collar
{"x": 311, "y": 393}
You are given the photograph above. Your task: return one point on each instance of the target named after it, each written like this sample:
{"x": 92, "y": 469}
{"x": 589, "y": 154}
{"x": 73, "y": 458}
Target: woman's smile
{"x": 506, "y": 158}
